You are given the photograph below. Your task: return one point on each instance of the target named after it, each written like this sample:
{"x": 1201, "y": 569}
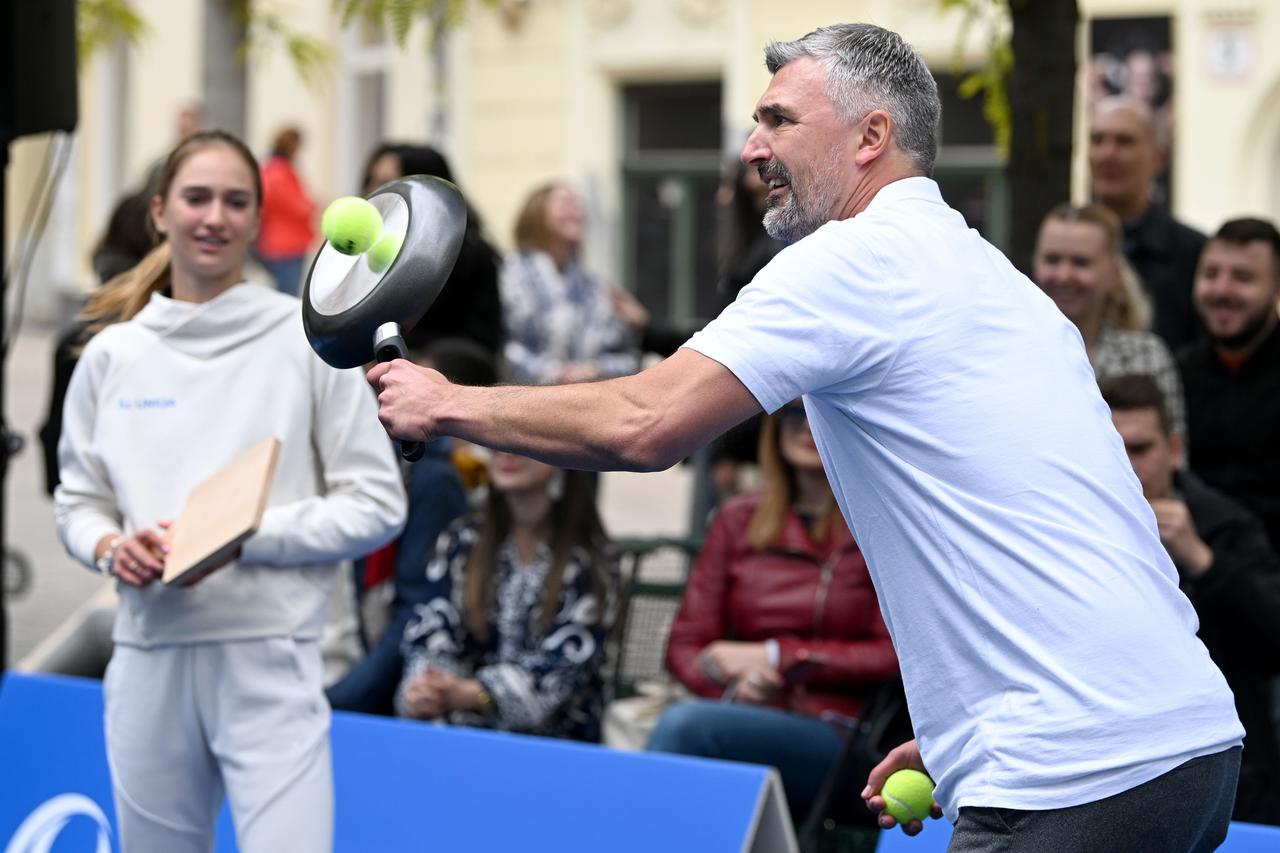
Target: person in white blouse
{"x": 560, "y": 319}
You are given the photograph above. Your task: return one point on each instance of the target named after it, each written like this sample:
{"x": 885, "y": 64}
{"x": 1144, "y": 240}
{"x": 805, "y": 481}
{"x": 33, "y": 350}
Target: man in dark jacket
{"x": 1232, "y": 379}
{"x": 1226, "y": 567}
{"x": 1124, "y": 158}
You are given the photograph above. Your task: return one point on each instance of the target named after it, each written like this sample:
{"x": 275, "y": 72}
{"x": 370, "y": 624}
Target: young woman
{"x": 520, "y": 602}
{"x": 779, "y": 623}
{"x": 1078, "y": 262}
{"x": 217, "y": 687}
{"x": 561, "y": 322}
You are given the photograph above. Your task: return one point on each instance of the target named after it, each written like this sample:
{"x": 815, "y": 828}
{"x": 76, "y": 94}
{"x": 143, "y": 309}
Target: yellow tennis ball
{"x": 908, "y": 794}
{"x": 351, "y": 224}
{"x": 385, "y": 250}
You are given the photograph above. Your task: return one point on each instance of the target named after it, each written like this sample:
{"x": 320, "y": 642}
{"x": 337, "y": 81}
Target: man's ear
{"x": 1176, "y": 448}
{"x": 873, "y": 140}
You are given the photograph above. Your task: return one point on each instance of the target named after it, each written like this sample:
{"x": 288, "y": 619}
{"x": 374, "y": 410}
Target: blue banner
{"x": 402, "y": 785}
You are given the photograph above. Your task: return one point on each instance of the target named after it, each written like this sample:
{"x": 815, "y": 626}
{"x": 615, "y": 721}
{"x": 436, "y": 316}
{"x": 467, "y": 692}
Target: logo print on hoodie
{"x": 139, "y": 404}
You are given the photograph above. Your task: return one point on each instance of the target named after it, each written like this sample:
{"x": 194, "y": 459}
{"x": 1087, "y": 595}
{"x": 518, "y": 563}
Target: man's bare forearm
{"x": 645, "y": 422}
{"x": 595, "y": 426}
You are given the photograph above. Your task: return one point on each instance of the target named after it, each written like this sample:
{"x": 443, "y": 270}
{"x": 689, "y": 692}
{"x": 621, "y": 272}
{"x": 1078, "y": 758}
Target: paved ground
{"x": 58, "y": 585}
{"x": 632, "y": 504}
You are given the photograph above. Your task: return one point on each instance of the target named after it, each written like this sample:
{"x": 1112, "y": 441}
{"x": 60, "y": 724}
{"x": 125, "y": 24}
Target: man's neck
{"x": 875, "y": 177}
{"x": 1129, "y": 209}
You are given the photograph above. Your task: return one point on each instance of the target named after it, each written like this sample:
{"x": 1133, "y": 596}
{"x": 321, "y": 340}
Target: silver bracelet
{"x": 107, "y": 561}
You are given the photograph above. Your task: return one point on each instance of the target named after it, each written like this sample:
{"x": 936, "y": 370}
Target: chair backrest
{"x": 654, "y": 573}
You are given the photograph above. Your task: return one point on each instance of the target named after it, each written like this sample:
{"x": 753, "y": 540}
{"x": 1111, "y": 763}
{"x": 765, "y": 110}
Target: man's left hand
{"x": 1189, "y": 552}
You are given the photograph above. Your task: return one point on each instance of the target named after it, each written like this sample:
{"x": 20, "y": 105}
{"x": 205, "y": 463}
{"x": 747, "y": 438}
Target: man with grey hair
{"x": 1054, "y": 678}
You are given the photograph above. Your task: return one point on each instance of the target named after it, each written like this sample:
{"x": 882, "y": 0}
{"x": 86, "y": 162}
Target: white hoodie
{"x": 159, "y": 403}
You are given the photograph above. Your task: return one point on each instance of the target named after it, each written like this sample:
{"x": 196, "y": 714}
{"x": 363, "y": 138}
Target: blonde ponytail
{"x": 125, "y": 295}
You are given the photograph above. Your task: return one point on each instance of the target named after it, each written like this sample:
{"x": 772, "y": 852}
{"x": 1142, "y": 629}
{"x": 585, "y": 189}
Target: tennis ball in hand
{"x": 385, "y": 250}
{"x": 351, "y": 224}
{"x": 908, "y": 794}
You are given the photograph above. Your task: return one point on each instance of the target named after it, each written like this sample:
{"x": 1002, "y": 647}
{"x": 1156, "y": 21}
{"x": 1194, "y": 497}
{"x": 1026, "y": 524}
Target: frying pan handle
{"x": 389, "y": 348}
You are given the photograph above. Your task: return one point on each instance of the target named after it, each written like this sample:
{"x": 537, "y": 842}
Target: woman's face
{"x": 1073, "y": 266}
{"x": 795, "y": 441}
{"x": 511, "y": 474}
{"x": 386, "y": 168}
{"x": 566, "y": 220}
{"x": 209, "y": 214}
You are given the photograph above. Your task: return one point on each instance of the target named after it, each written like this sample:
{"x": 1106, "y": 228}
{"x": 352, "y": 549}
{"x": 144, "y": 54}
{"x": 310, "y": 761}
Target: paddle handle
{"x": 388, "y": 345}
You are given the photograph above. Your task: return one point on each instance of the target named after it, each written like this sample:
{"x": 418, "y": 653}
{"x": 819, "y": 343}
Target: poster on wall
{"x": 1134, "y": 57}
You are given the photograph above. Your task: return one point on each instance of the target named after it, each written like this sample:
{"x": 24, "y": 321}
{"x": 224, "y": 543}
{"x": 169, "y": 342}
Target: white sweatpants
{"x": 186, "y": 723}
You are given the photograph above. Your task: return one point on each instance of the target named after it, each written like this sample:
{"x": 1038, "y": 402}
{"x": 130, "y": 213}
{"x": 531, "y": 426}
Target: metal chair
{"x": 654, "y": 573}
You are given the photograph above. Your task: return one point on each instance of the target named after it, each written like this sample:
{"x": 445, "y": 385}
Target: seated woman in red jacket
{"x": 779, "y": 623}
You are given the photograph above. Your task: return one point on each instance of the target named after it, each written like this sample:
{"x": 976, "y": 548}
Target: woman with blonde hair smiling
{"x": 1078, "y": 263}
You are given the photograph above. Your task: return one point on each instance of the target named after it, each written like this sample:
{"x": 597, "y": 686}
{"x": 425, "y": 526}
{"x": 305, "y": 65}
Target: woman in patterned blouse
{"x": 521, "y": 598}
{"x": 561, "y": 322}
{"x": 1080, "y": 265}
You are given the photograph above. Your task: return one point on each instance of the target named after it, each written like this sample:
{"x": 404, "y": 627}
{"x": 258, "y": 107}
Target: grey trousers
{"x": 189, "y": 724}
{"x": 1183, "y": 811}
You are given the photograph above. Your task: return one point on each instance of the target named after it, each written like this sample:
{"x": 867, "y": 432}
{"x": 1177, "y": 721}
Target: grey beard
{"x": 807, "y": 207}
{"x": 785, "y": 222}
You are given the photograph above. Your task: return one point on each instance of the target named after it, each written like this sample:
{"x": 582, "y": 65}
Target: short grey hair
{"x": 869, "y": 68}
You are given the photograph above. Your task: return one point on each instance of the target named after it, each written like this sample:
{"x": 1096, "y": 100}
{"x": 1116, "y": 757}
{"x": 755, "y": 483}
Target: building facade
{"x": 642, "y": 105}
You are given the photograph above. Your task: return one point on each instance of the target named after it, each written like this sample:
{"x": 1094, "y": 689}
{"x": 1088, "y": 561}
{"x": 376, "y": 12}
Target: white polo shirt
{"x": 1048, "y": 656}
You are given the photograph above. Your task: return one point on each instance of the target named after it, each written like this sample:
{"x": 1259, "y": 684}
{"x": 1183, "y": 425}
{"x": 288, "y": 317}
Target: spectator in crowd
{"x": 745, "y": 246}
{"x": 469, "y": 305}
{"x": 436, "y": 499}
{"x": 1124, "y": 159}
{"x": 1228, "y": 569}
{"x": 562, "y": 325}
{"x": 288, "y": 214}
{"x": 780, "y": 617}
{"x": 126, "y": 241}
{"x": 518, "y": 604}
{"x": 383, "y": 166}
{"x": 1232, "y": 379}
{"x": 216, "y": 686}
{"x": 1078, "y": 263}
